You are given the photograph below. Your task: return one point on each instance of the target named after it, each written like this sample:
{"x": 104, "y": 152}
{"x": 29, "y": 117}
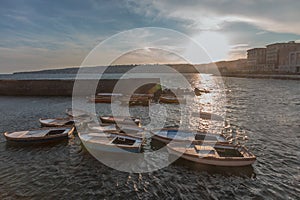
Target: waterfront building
{"x": 256, "y": 59}
{"x": 277, "y": 57}
{"x": 294, "y": 60}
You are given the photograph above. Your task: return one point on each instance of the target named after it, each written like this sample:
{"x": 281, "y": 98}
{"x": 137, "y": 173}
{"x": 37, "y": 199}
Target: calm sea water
{"x": 266, "y": 111}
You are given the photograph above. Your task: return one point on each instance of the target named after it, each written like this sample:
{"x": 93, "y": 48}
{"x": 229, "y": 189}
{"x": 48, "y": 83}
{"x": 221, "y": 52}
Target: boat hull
{"x": 100, "y": 148}
{"x": 100, "y": 100}
{"x": 230, "y": 162}
{"x": 119, "y": 121}
{"x": 170, "y": 100}
{"x": 49, "y": 138}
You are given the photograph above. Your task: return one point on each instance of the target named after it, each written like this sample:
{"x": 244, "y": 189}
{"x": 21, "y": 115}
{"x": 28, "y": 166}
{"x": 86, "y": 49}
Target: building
{"x": 294, "y": 60}
{"x": 256, "y": 59}
{"x": 277, "y": 57}
{"x": 233, "y": 66}
{"x": 288, "y": 58}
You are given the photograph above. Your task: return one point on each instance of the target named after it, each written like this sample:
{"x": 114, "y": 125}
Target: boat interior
{"x": 56, "y": 132}
{"x": 123, "y": 141}
{"x": 217, "y": 151}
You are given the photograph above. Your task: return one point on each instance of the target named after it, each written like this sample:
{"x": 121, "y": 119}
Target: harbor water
{"x": 263, "y": 113}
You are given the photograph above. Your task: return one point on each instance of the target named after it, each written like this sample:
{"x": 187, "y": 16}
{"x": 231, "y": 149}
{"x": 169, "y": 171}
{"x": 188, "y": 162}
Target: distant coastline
{"x": 60, "y": 82}
{"x": 216, "y": 69}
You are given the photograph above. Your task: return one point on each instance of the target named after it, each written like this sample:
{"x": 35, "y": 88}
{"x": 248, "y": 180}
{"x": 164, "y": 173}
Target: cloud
{"x": 38, "y": 34}
{"x": 271, "y": 15}
{"x": 30, "y": 58}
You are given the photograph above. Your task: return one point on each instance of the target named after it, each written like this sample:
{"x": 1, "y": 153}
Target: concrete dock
{"x": 65, "y": 87}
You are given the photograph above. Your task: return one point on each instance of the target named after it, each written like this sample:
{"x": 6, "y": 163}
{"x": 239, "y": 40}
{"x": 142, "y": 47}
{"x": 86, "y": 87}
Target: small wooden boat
{"x": 218, "y": 155}
{"x": 121, "y": 129}
{"x": 105, "y": 97}
{"x": 39, "y": 135}
{"x": 137, "y": 100}
{"x": 199, "y": 92}
{"x": 100, "y": 99}
{"x": 170, "y": 99}
{"x": 77, "y": 113}
{"x": 138, "y": 103}
{"x": 56, "y": 122}
{"x": 112, "y": 143}
{"x": 142, "y": 100}
{"x": 102, "y": 128}
{"x": 172, "y": 134}
{"x": 109, "y": 95}
{"x": 208, "y": 116}
{"x": 120, "y": 120}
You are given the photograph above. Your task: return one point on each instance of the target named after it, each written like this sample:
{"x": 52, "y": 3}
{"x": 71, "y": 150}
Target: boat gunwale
{"x": 155, "y": 136}
{"x": 111, "y": 137}
{"x": 247, "y": 158}
{"x": 41, "y": 138}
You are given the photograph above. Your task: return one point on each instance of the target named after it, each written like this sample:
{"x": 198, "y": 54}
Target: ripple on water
{"x": 266, "y": 111}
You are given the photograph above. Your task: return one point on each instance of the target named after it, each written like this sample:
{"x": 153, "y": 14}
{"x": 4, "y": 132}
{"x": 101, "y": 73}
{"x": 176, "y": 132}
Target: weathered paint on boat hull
{"x": 237, "y": 162}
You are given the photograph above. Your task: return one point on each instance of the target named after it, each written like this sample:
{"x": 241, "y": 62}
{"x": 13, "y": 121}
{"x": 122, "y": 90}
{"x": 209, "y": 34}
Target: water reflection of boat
{"x": 39, "y": 135}
{"x": 219, "y": 154}
{"x": 172, "y": 134}
{"x": 105, "y": 142}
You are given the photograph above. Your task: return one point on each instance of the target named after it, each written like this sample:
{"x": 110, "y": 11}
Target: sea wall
{"x": 65, "y": 87}
{"x": 265, "y": 76}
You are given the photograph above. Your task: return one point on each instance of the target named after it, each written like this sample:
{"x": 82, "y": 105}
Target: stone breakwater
{"x": 65, "y": 87}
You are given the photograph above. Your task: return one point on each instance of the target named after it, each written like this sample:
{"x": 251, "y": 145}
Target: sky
{"x": 36, "y": 34}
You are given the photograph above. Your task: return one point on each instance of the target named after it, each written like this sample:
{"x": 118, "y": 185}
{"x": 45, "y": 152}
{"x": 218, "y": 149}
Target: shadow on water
{"x": 10, "y": 145}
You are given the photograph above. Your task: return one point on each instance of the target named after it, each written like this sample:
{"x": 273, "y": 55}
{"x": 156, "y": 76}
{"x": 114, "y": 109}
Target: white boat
{"x": 173, "y": 134}
{"x": 39, "y": 135}
{"x": 102, "y": 128}
{"x": 56, "y": 122}
{"x": 122, "y": 129}
{"x": 111, "y": 143}
{"x": 219, "y": 155}
{"x": 120, "y": 120}
{"x": 208, "y": 116}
